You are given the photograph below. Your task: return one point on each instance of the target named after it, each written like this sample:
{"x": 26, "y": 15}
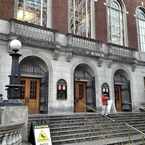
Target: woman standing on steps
{"x": 104, "y": 100}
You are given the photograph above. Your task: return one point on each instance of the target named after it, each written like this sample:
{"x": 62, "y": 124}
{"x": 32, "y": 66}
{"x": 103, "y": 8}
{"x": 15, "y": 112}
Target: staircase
{"x": 136, "y": 120}
{"x": 93, "y": 129}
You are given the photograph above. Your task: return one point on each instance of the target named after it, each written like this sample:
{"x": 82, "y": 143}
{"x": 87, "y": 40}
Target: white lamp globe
{"x": 15, "y": 45}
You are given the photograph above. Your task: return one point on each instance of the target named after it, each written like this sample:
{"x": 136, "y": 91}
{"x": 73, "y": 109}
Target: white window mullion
{"x": 92, "y": 25}
{"x": 24, "y": 9}
{"x": 41, "y": 13}
{"x": 86, "y": 21}
{"x": 74, "y": 16}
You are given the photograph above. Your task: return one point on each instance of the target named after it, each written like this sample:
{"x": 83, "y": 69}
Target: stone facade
{"x": 62, "y": 56}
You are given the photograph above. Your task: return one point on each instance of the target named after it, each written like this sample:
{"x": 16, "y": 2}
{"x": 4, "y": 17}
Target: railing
{"x": 121, "y": 52}
{"x": 11, "y": 134}
{"x": 44, "y": 37}
{"x": 32, "y": 32}
{"x": 84, "y": 45}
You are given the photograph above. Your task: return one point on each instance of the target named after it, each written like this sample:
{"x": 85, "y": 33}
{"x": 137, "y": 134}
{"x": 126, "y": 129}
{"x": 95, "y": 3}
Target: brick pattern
{"x": 6, "y": 9}
{"x": 131, "y": 6}
{"x": 60, "y": 15}
{"x": 101, "y": 20}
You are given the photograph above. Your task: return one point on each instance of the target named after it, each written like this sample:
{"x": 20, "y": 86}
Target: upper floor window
{"x": 81, "y": 17}
{"x": 116, "y": 23}
{"x": 32, "y": 11}
{"x": 140, "y": 17}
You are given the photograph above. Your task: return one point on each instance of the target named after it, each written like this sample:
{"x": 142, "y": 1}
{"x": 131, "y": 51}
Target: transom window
{"x": 32, "y": 11}
{"x": 81, "y": 17}
{"x": 140, "y": 16}
{"x": 115, "y": 21}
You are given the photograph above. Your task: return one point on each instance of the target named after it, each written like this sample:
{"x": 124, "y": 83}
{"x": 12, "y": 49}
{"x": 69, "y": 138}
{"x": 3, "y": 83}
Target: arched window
{"x": 32, "y": 11}
{"x": 105, "y": 89}
{"x": 140, "y": 17}
{"x": 61, "y": 89}
{"x": 116, "y": 22}
{"x": 81, "y": 17}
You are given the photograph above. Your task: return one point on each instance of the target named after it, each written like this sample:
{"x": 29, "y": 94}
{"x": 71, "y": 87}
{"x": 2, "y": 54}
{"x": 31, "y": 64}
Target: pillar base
{"x": 15, "y": 114}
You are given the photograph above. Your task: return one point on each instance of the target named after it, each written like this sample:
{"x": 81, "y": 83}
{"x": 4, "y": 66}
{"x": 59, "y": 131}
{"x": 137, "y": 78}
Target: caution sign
{"x": 42, "y": 135}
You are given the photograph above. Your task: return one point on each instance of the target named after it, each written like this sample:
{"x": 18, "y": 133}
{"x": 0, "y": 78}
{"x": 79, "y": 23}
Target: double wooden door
{"x": 30, "y": 94}
{"x": 80, "y": 97}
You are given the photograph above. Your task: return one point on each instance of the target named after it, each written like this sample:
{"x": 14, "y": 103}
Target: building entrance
{"x": 30, "y": 94}
{"x": 34, "y": 77}
{"x": 84, "y": 89}
{"x": 122, "y": 91}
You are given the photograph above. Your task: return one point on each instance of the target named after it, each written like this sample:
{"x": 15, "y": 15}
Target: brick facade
{"x": 6, "y": 9}
{"x": 131, "y": 6}
{"x": 101, "y": 20}
{"x": 60, "y": 17}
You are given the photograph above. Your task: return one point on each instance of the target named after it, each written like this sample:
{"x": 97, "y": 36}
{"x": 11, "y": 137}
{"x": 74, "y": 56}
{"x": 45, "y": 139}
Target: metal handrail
{"x": 107, "y": 117}
{"x": 134, "y": 128}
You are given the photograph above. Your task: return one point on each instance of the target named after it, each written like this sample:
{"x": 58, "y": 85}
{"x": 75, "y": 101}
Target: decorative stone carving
{"x": 69, "y": 56}
{"x": 55, "y": 54}
{"x": 100, "y": 61}
{"x": 110, "y": 62}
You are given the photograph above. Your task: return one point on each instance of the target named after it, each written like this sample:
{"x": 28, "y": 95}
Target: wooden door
{"x": 30, "y": 93}
{"x": 118, "y": 98}
{"x": 80, "y": 97}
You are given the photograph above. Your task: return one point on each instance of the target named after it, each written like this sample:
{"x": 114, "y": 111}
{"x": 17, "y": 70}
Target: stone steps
{"x": 89, "y": 127}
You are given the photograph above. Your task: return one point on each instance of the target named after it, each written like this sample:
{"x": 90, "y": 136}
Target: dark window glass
{"x": 33, "y": 89}
{"x": 22, "y": 94}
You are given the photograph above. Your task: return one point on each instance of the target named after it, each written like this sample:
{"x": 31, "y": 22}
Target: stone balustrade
{"x": 32, "y": 34}
{"x": 11, "y": 134}
{"x": 85, "y": 46}
{"x": 119, "y": 51}
{"x": 41, "y": 37}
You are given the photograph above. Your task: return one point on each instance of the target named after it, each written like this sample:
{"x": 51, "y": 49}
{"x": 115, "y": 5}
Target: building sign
{"x": 42, "y": 135}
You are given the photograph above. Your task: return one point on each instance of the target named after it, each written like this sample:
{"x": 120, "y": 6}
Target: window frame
{"x": 123, "y": 25}
{"x": 62, "y": 92}
{"x": 41, "y": 17}
{"x": 138, "y": 19}
{"x": 92, "y": 19}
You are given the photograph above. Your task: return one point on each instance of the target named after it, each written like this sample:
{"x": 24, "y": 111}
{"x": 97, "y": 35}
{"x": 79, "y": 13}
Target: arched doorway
{"x": 84, "y": 89}
{"x": 122, "y": 91}
{"x": 34, "y": 77}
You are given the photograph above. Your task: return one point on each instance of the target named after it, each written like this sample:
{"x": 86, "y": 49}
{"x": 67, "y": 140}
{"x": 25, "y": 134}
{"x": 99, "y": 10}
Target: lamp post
{"x": 14, "y": 87}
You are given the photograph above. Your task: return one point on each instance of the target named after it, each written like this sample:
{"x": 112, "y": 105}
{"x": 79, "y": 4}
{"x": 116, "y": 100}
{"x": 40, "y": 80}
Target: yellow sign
{"x": 42, "y": 135}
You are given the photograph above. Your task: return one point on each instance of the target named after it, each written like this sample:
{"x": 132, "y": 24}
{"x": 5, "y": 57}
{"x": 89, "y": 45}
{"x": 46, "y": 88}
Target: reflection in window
{"x": 115, "y": 15}
{"x": 141, "y": 27}
{"x": 32, "y": 11}
{"x": 80, "y": 17}
{"x": 61, "y": 89}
